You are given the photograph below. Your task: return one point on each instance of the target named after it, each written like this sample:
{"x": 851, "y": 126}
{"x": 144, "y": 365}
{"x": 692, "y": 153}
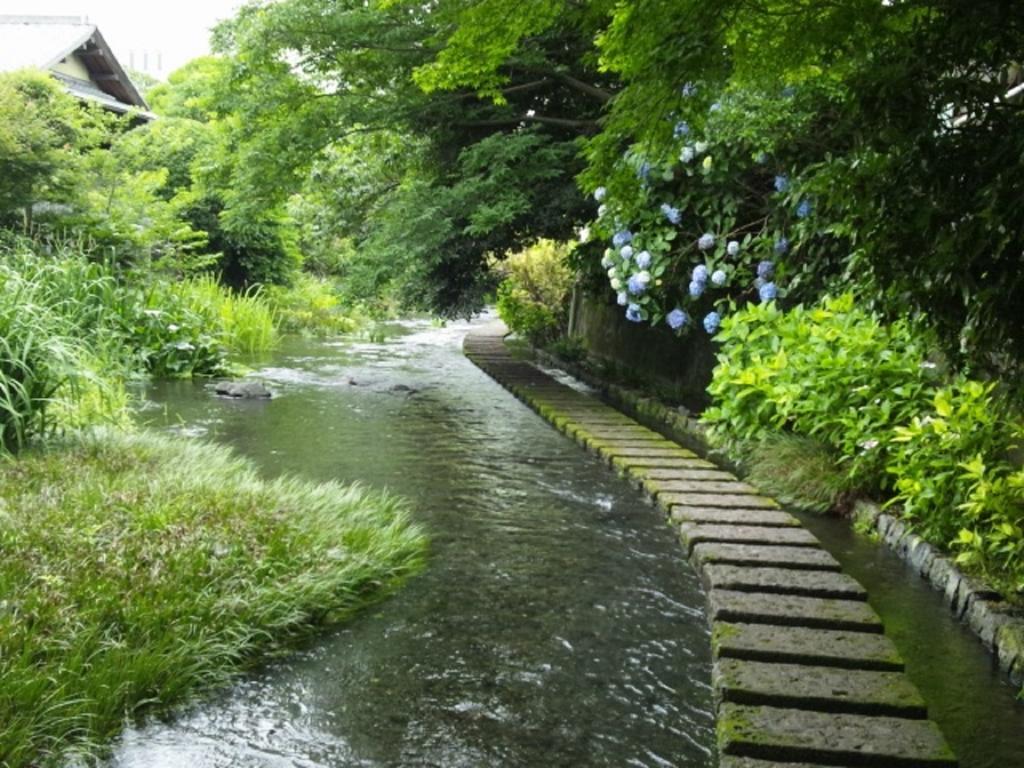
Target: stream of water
{"x": 557, "y": 623}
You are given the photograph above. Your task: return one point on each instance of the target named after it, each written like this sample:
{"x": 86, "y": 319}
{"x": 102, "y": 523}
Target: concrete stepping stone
{"x": 722, "y": 516}
{"x": 793, "y": 610}
{"x": 781, "y": 581}
{"x": 794, "y": 558}
{"x": 792, "y": 735}
{"x": 729, "y": 761}
{"x": 737, "y": 501}
{"x": 822, "y": 689}
{"x": 799, "y": 645}
{"x": 640, "y": 463}
{"x": 730, "y": 486}
{"x": 657, "y": 473}
{"x": 652, "y": 453}
{"x": 693, "y": 534}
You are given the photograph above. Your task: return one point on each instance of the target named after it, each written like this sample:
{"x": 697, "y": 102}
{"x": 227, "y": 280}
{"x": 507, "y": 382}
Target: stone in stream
{"x": 794, "y": 558}
{"x": 731, "y": 486}
{"x": 693, "y": 534}
{"x": 800, "y": 645}
{"x": 728, "y": 761}
{"x": 792, "y": 735}
{"x": 242, "y": 390}
{"x": 822, "y": 689}
{"x": 792, "y": 610}
{"x": 781, "y": 581}
{"x": 773, "y": 518}
{"x": 738, "y": 501}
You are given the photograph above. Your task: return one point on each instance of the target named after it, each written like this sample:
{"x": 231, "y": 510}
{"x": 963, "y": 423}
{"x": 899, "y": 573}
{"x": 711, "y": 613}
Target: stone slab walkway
{"x": 803, "y": 673}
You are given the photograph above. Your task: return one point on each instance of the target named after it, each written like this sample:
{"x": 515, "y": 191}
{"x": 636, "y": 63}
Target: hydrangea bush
{"x": 708, "y": 215}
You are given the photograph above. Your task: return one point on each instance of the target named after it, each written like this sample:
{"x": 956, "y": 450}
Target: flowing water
{"x": 556, "y": 624}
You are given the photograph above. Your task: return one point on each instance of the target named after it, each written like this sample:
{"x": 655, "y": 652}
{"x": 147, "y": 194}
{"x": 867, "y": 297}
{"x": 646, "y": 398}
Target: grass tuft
{"x": 137, "y": 569}
{"x": 798, "y": 471}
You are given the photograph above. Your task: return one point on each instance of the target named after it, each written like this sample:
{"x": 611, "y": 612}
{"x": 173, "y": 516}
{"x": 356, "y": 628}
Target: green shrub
{"x": 832, "y": 372}
{"x": 798, "y": 471}
{"x": 955, "y": 480}
{"x": 138, "y": 569}
{"x": 311, "y": 305}
{"x": 533, "y": 298}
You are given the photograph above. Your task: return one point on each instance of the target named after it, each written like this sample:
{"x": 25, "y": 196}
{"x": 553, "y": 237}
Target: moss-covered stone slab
{"x": 723, "y": 516}
{"x": 796, "y": 558}
{"x": 792, "y": 610}
{"x": 822, "y": 689}
{"x": 693, "y": 534}
{"x": 738, "y": 501}
{"x": 702, "y": 486}
{"x": 782, "y": 581}
{"x": 617, "y": 433}
{"x": 800, "y": 645}
{"x": 658, "y": 473}
{"x": 774, "y": 733}
{"x": 634, "y": 463}
{"x": 650, "y": 453}
{"x": 729, "y": 761}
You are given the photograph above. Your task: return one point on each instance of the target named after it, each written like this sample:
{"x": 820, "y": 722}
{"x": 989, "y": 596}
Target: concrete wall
{"x": 679, "y": 368}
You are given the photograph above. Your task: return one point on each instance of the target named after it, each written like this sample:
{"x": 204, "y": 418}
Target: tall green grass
{"x": 311, "y": 305}
{"x": 55, "y": 345}
{"x": 246, "y": 322}
{"x": 158, "y": 567}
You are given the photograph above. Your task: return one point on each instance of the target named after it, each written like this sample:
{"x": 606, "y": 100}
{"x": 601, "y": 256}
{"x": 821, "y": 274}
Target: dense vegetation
{"x": 160, "y": 566}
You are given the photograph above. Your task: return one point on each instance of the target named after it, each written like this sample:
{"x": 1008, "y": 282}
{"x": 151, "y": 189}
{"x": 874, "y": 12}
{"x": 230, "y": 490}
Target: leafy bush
{"x": 311, "y": 305}
{"x": 533, "y": 298}
{"x": 139, "y": 569}
{"x": 942, "y": 448}
{"x": 832, "y": 372}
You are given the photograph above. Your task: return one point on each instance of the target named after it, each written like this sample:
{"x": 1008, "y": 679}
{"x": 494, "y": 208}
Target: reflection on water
{"x": 556, "y": 624}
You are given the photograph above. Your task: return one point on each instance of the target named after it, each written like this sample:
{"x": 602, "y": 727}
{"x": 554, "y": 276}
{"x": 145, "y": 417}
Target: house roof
{"x": 43, "y": 42}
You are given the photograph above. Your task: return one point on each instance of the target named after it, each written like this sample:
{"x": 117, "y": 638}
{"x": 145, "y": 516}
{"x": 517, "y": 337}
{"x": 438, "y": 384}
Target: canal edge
{"x": 803, "y": 674}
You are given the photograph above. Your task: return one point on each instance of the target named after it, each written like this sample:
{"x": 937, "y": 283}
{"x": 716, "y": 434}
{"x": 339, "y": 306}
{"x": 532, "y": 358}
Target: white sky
{"x": 139, "y": 30}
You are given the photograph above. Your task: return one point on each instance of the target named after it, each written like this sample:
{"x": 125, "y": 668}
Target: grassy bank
{"x": 158, "y": 567}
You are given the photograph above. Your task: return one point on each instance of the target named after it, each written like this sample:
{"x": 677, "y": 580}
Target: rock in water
{"x": 247, "y": 390}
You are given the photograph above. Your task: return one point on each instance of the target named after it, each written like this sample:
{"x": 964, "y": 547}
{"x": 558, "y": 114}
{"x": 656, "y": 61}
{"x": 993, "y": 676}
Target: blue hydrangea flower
{"x": 602, "y": 210}
{"x": 768, "y": 291}
{"x": 765, "y": 270}
{"x": 676, "y": 319}
{"x": 622, "y": 238}
{"x": 644, "y": 171}
{"x": 696, "y": 288}
{"x": 804, "y": 209}
{"x": 781, "y": 246}
{"x": 711, "y": 322}
{"x": 781, "y": 183}
{"x": 671, "y": 213}
{"x": 626, "y": 252}
{"x": 733, "y": 248}
{"x": 682, "y": 129}
{"x": 643, "y": 259}
{"x": 700, "y": 273}
{"x": 687, "y": 154}
{"x": 715, "y": 107}
{"x": 606, "y": 260}
{"x": 633, "y": 313}
{"x": 718, "y": 277}
{"x": 600, "y": 193}
{"x": 707, "y": 240}
{"x": 635, "y": 285}
{"x": 622, "y": 298}
{"x": 688, "y": 90}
